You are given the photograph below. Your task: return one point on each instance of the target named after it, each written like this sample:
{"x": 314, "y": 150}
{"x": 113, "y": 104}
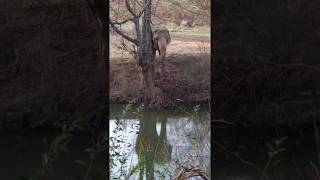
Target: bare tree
{"x": 145, "y": 50}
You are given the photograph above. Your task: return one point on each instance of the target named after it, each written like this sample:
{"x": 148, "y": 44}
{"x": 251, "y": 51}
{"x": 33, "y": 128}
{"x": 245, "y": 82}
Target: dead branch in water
{"x": 187, "y": 173}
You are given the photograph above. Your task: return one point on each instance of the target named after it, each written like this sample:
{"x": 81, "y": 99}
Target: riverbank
{"x": 184, "y": 79}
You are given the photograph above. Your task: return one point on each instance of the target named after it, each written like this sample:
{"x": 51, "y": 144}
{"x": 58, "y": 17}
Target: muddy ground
{"x": 184, "y": 78}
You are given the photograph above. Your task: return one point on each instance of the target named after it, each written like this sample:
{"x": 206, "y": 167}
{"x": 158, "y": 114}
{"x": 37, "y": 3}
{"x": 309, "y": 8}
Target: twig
{"x": 122, "y": 22}
{"x": 293, "y": 65}
{"x": 136, "y": 42}
{"x": 242, "y": 160}
{"x": 130, "y": 9}
{"x": 316, "y": 170}
{"x": 223, "y": 121}
{"x": 186, "y": 173}
{"x": 297, "y": 168}
{"x": 144, "y": 8}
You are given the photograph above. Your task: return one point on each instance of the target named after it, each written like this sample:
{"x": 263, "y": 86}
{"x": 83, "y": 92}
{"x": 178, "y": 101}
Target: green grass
{"x": 199, "y": 30}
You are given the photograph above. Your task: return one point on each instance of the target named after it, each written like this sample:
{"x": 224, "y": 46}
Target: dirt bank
{"x": 184, "y": 79}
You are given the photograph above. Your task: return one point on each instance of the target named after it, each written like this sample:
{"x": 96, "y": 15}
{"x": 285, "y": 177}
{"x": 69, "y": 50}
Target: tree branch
{"x": 144, "y": 8}
{"x": 202, "y": 15}
{"x": 122, "y": 22}
{"x": 130, "y": 9}
{"x": 123, "y": 35}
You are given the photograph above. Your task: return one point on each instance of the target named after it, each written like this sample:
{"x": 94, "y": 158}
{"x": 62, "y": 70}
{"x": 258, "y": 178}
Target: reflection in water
{"x": 161, "y": 142}
{"x": 150, "y": 147}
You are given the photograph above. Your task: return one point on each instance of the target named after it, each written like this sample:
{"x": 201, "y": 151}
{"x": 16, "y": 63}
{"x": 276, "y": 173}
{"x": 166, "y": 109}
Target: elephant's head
{"x": 161, "y": 38}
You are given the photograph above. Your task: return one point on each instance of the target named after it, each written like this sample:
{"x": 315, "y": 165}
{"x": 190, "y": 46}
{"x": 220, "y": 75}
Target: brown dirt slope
{"x": 183, "y": 79}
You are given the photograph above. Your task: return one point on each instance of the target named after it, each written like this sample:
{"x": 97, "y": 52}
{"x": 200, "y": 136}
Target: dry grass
{"x": 184, "y": 77}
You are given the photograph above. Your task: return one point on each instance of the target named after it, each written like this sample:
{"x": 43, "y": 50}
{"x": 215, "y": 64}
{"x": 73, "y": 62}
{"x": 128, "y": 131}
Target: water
{"x": 160, "y": 141}
{"x": 179, "y": 139}
{"x": 152, "y": 144}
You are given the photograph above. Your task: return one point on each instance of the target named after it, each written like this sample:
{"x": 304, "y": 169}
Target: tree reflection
{"x": 150, "y": 147}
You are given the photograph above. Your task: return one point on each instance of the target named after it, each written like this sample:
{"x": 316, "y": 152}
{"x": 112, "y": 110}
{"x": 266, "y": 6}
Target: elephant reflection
{"x": 161, "y": 38}
{"x": 150, "y": 147}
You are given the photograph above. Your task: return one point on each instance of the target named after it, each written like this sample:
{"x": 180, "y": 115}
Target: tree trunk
{"x": 146, "y": 59}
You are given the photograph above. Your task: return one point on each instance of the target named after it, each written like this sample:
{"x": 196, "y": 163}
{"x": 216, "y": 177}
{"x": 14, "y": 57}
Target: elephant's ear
{"x": 155, "y": 41}
{"x": 155, "y": 34}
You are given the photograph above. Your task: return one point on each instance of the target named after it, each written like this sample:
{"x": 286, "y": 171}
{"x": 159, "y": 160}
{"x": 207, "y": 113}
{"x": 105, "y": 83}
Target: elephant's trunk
{"x": 162, "y": 45}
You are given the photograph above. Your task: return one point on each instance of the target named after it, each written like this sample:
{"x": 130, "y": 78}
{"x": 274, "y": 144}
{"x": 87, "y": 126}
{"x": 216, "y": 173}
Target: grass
{"x": 198, "y": 30}
{"x": 184, "y": 41}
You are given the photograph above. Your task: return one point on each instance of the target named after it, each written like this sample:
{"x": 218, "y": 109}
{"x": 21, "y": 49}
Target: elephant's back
{"x": 159, "y": 28}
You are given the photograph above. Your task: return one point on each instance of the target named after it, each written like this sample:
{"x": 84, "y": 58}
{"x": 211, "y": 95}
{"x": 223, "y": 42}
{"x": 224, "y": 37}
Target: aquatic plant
{"x": 119, "y": 147}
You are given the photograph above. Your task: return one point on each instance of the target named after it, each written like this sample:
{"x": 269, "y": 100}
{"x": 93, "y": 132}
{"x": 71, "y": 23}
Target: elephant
{"x": 160, "y": 39}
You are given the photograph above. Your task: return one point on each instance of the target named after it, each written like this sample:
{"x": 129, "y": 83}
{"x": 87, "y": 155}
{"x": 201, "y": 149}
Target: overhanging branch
{"x": 144, "y": 8}
{"x": 203, "y": 15}
{"x": 130, "y": 9}
{"x": 123, "y": 35}
{"x": 122, "y": 22}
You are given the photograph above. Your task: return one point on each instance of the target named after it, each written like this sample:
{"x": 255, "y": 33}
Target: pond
{"x": 155, "y": 144}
